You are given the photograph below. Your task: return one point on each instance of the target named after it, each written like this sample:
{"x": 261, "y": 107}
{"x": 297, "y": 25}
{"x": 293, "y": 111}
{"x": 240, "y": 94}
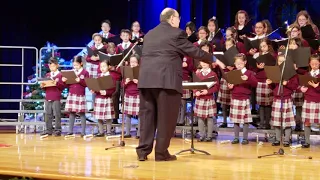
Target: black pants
{"x": 159, "y": 109}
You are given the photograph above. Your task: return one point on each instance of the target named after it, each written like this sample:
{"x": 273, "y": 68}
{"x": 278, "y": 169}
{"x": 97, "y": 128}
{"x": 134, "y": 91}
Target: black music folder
{"x": 228, "y": 56}
{"x": 267, "y": 59}
{"x": 299, "y": 56}
{"x": 308, "y": 32}
{"x": 100, "y": 83}
{"x": 251, "y": 44}
{"x": 114, "y": 60}
{"x": 70, "y": 75}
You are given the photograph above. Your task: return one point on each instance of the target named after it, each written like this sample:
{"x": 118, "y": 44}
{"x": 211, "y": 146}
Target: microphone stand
{"x": 281, "y": 151}
{"x": 122, "y": 142}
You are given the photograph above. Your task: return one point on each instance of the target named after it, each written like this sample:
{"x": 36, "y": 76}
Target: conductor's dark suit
{"x": 160, "y": 86}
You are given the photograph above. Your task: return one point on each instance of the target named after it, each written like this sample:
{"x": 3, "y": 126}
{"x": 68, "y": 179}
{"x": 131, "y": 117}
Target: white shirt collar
{"x": 126, "y": 43}
{"x": 78, "y": 71}
{"x": 316, "y": 72}
{"x": 105, "y": 74}
{"x": 199, "y": 41}
{"x": 240, "y": 27}
{"x": 105, "y": 35}
{"x": 135, "y": 35}
{"x": 243, "y": 70}
{"x": 205, "y": 71}
{"x": 99, "y": 46}
{"x": 54, "y": 74}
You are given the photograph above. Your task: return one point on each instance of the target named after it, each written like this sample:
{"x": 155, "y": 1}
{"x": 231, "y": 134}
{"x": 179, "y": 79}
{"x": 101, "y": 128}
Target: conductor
{"x": 160, "y": 83}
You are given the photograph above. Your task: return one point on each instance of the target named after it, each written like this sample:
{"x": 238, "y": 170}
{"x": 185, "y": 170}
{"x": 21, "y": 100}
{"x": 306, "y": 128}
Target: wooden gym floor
{"x": 57, "y": 158}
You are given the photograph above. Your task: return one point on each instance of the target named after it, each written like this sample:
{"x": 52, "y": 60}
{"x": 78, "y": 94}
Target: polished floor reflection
{"x": 57, "y": 158}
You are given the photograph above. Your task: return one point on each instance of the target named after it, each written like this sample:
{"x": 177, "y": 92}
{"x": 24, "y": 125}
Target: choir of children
{"x": 234, "y": 99}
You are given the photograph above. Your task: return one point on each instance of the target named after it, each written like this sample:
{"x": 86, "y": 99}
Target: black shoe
{"x": 115, "y": 121}
{"x": 91, "y": 110}
{"x": 180, "y": 124}
{"x": 245, "y": 142}
{"x": 254, "y": 124}
{"x": 201, "y": 139}
{"x": 305, "y": 145}
{"x": 137, "y": 137}
{"x": 215, "y": 133}
{"x": 223, "y": 125}
{"x": 254, "y": 111}
{"x": 235, "y": 141}
{"x": 170, "y": 158}
{"x": 98, "y": 135}
{"x": 276, "y": 143}
{"x": 45, "y": 134}
{"x": 286, "y": 144}
{"x": 127, "y": 136}
{"x": 208, "y": 139}
{"x": 57, "y": 133}
{"x": 298, "y": 128}
{"x": 142, "y": 158}
{"x": 82, "y": 135}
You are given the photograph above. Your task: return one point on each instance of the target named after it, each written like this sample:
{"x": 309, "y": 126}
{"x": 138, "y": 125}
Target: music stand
{"x": 193, "y": 87}
{"x": 122, "y": 142}
{"x": 280, "y": 151}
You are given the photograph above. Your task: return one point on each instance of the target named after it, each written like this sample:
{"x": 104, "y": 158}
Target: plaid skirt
{"x": 264, "y": 94}
{"x": 298, "y": 98}
{"x": 288, "y": 118}
{"x": 131, "y": 105}
{"x": 92, "y": 69}
{"x": 240, "y": 111}
{"x": 76, "y": 103}
{"x": 224, "y": 94}
{"x": 311, "y": 112}
{"x": 103, "y": 108}
{"x": 205, "y": 108}
{"x": 186, "y": 94}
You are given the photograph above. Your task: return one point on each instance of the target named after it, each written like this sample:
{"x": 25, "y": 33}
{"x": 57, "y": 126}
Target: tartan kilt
{"x": 298, "y": 98}
{"x": 264, "y": 94}
{"x": 92, "y": 69}
{"x": 131, "y": 105}
{"x": 76, "y": 103}
{"x": 311, "y": 112}
{"x": 103, "y": 108}
{"x": 186, "y": 94}
{"x": 240, "y": 111}
{"x": 224, "y": 94}
{"x": 205, "y": 108}
{"x": 288, "y": 118}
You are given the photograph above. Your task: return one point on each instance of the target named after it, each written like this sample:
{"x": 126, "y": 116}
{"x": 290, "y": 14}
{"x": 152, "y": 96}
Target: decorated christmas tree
{"x": 34, "y": 91}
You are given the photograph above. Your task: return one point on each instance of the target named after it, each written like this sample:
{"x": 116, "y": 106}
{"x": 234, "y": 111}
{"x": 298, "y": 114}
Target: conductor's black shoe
{"x": 180, "y": 124}
{"x": 245, "y": 142}
{"x": 142, "y": 158}
{"x": 127, "y": 136}
{"x": 223, "y": 125}
{"x": 99, "y": 135}
{"x": 305, "y": 145}
{"x": 45, "y": 133}
{"x": 235, "y": 141}
{"x": 91, "y": 110}
{"x": 286, "y": 144}
{"x": 276, "y": 143}
{"x": 170, "y": 158}
{"x": 215, "y": 133}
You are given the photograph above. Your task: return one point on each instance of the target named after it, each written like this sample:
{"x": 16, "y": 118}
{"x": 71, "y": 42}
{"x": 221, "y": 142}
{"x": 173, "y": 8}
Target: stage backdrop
{"x": 29, "y": 23}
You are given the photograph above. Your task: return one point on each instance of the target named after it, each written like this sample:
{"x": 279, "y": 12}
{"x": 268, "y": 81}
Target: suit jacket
{"x": 162, "y": 54}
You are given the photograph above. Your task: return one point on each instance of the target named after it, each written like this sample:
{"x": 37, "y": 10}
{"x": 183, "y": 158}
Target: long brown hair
{"x": 268, "y": 42}
{"x": 236, "y": 23}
